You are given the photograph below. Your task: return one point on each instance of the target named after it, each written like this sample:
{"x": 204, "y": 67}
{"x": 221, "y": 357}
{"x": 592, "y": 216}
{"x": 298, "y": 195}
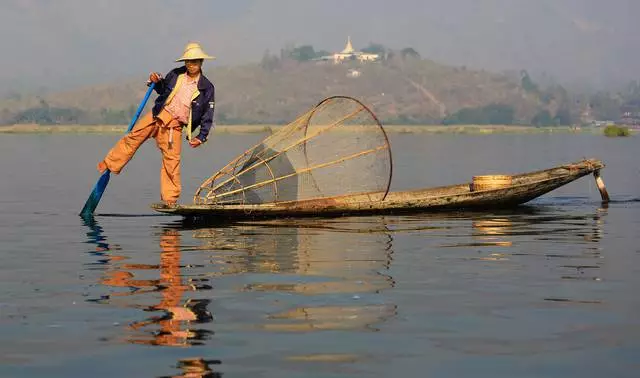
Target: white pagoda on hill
{"x": 349, "y": 53}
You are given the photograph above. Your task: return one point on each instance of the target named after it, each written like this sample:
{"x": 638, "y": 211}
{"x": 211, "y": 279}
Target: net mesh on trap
{"x": 337, "y": 148}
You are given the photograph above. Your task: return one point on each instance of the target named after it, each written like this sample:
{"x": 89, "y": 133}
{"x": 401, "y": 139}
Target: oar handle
{"x": 141, "y": 106}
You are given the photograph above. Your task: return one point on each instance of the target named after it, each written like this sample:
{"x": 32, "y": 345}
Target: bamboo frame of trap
{"x": 211, "y": 191}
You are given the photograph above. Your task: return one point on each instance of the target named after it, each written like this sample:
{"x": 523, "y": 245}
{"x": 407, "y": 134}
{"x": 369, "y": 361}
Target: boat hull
{"x": 525, "y": 187}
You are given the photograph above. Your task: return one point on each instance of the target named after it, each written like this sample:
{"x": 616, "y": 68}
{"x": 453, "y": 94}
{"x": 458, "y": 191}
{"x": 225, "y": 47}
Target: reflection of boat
{"x": 320, "y": 318}
{"x": 493, "y": 232}
{"x": 524, "y": 187}
{"x": 309, "y": 259}
{"x": 492, "y": 226}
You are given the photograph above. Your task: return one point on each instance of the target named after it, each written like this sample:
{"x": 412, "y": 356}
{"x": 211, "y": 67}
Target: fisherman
{"x": 186, "y": 98}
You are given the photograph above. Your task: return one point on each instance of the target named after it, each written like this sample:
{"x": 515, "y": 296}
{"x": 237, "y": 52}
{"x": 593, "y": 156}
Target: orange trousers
{"x": 167, "y": 132}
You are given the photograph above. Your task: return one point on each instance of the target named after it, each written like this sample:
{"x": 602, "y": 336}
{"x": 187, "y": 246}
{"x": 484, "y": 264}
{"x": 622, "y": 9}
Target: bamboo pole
{"x": 304, "y": 170}
{"x": 600, "y": 184}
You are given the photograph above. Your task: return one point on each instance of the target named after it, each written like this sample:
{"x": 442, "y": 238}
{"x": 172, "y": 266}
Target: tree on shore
{"x": 376, "y": 48}
{"x": 493, "y": 114}
{"x": 409, "y": 52}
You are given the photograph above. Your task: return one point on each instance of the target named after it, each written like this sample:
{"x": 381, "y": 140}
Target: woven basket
{"x": 490, "y": 182}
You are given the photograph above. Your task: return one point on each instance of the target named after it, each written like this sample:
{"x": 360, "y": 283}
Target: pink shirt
{"x": 181, "y": 103}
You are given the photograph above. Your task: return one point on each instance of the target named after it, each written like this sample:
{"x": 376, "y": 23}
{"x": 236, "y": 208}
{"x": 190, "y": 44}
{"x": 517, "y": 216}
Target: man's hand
{"x": 195, "y": 142}
{"x": 155, "y": 77}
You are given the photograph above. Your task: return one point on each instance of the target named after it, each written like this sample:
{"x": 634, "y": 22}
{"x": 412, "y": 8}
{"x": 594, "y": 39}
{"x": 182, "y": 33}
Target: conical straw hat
{"x": 193, "y": 51}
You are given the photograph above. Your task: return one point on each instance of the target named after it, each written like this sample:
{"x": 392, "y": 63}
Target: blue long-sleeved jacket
{"x": 202, "y": 104}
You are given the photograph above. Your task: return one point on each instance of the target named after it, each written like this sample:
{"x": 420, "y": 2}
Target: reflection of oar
{"x": 101, "y": 185}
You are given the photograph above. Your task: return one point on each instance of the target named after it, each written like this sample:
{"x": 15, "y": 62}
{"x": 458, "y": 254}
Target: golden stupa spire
{"x": 348, "y": 48}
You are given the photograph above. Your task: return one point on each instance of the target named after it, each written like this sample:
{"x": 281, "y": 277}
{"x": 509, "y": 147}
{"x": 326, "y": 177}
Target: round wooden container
{"x": 489, "y": 182}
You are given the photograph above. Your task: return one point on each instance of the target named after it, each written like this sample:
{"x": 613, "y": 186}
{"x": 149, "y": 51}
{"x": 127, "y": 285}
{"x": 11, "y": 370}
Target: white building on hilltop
{"x": 349, "y": 53}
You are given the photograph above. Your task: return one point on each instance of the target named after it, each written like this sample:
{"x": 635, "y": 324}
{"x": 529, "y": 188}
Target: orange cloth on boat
{"x": 180, "y": 105}
{"x": 167, "y": 132}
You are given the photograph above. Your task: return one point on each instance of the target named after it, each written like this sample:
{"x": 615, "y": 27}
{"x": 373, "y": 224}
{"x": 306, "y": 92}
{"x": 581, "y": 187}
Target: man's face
{"x": 193, "y": 66}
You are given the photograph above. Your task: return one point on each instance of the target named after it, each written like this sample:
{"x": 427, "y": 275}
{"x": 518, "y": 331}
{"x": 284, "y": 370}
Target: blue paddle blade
{"x": 96, "y": 194}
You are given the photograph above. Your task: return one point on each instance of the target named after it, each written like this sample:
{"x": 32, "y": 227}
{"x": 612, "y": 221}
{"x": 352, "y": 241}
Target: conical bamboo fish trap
{"x": 337, "y": 148}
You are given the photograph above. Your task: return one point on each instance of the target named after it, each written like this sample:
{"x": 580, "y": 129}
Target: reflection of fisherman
{"x": 197, "y": 368}
{"x": 174, "y": 324}
{"x": 171, "y": 331}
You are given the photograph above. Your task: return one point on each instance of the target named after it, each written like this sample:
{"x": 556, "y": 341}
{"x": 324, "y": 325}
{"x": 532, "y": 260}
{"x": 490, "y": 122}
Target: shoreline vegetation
{"x": 616, "y": 131}
{"x": 266, "y": 128}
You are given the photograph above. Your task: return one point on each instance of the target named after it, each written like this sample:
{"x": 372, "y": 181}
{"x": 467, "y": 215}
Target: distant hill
{"x": 71, "y": 42}
{"x": 400, "y": 91}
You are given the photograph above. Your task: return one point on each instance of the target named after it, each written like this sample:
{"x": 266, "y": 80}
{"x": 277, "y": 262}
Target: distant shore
{"x": 250, "y": 129}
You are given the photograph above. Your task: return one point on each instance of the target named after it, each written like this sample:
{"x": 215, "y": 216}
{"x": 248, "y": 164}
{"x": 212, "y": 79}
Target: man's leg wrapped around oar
{"x": 127, "y": 146}
{"x": 167, "y": 131}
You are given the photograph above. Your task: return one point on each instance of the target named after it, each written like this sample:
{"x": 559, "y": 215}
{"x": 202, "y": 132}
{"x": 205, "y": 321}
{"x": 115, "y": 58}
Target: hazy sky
{"x": 59, "y": 43}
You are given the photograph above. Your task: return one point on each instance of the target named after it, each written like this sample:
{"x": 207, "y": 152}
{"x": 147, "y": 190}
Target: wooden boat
{"x": 336, "y": 160}
{"x": 523, "y": 188}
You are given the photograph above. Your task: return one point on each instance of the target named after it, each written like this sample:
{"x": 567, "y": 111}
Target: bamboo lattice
{"x": 337, "y": 148}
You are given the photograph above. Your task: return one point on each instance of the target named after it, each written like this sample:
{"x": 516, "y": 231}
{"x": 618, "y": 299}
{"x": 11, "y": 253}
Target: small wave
{"x": 625, "y": 200}
{"x": 117, "y": 215}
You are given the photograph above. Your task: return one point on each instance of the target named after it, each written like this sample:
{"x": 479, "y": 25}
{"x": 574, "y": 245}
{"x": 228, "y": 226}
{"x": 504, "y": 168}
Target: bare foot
{"x": 102, "y": 166}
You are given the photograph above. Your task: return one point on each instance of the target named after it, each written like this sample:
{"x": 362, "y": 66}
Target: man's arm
{"x": 207, "y": 118}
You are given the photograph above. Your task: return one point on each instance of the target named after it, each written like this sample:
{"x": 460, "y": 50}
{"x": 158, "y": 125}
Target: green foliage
{"x": 616, "y": 131}
{"x": 46, "y": 115}
{"x": 391, "y": 55}
{"x": 611, "y": 106}
{"x": 546, "y": 97}
{"x": 632, "y": 90}
{"x": 303, "y": 53}
{"x": 631, "y": 100}
{"x": 605, "y": 106}
{"x": 526, "y": 82}
{"x": 563, "y": 117}
{"x": 493, "y": 114}
{"x": 114, "y": 117}
{"x": 269, "y": 62}
{"x": 542, "y": 118}
{"x": 409, "y": 52}
{"x": 405, "y": 119}
{"x": 375, "y": 48}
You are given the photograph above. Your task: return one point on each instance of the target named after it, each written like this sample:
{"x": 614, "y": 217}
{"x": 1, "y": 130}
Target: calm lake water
{"x": 547, "y": 290}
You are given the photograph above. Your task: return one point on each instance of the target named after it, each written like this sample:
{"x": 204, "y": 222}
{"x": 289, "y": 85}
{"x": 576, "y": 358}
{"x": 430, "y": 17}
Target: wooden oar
{"x": 101, "y": 185}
